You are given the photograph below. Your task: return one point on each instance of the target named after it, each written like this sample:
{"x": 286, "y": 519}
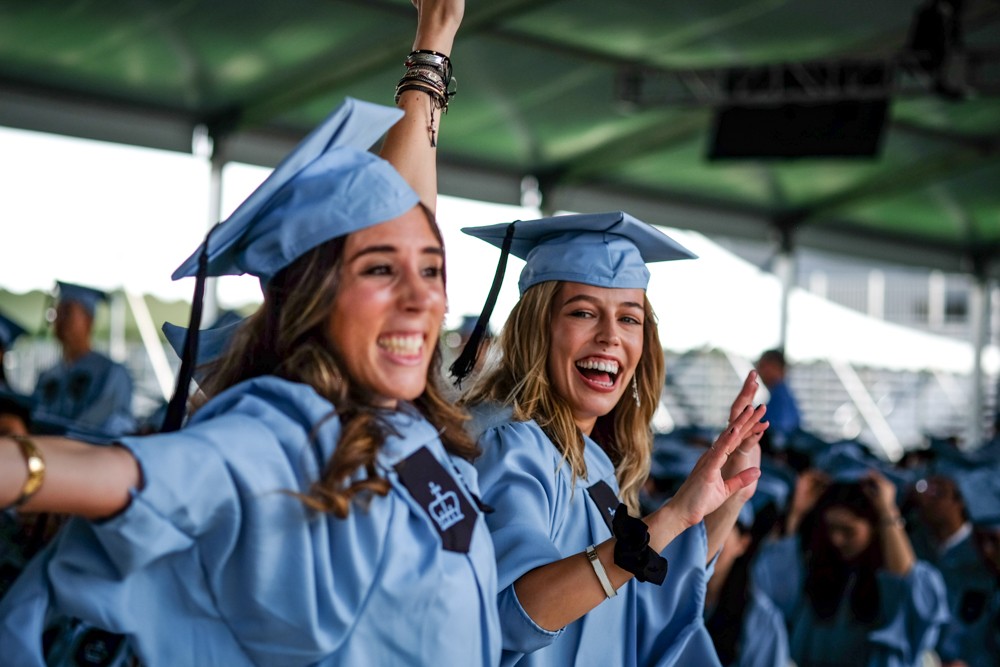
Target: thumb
{"x": 741, "y": 480}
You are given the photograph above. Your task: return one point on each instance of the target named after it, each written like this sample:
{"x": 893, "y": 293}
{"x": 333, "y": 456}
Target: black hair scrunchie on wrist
{"x": 632, "y": 552}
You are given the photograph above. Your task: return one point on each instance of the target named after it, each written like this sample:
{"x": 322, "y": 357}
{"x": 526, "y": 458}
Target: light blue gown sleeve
{"x": 777, "y": 573}
{"x": 671, "y": 629}
{"x": 518, "y": 481}
{"x": 215, "y": 562}
{"x": 914, "y": 607}
{"x": 764, "y": 641}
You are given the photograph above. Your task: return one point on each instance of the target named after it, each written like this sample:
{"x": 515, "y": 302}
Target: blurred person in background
{"x": 86, "y": 390}
{"x": 846, "y": 579}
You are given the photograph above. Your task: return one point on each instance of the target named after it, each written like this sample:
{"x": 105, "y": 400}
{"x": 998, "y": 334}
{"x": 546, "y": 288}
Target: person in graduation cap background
{"x": 563, "y": 420}
{"x": 971, "y": 568}
{"x": 846, "y": 579}
{"x": 86, "y": 390}
{"x": 319, "y": 509}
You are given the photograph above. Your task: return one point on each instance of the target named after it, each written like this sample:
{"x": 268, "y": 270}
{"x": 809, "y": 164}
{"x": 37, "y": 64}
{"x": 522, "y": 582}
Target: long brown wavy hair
{"x": 521, "y": 380}
{"x": 287, "y": 337}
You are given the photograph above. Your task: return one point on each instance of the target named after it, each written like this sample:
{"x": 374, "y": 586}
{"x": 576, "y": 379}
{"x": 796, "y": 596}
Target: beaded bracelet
{"x": 632, "y": 551}
{"x": 429, "y": 72}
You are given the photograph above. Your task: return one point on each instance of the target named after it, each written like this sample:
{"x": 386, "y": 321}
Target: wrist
{"x": 666, "y": 523}
{"x": 892, "y": 519}
{"x": 436, "y": 34}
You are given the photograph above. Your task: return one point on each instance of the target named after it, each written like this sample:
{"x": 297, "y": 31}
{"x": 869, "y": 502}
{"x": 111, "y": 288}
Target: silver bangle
{"x": 602, "y": 575}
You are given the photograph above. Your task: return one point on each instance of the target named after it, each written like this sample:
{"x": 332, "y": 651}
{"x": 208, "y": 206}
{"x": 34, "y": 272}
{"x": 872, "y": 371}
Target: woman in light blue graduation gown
{"x": 320, "y": 508}
{"x": 848, "y": 584}
{"x": 563, "y": 422}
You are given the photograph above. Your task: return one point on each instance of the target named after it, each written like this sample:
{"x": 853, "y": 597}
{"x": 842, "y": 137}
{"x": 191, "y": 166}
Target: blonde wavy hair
{"x": 520, "y": 379}
{"x": 287, "y": 337}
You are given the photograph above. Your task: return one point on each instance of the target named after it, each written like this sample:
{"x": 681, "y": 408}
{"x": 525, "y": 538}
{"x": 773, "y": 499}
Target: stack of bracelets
{"x": 429, "y": 72}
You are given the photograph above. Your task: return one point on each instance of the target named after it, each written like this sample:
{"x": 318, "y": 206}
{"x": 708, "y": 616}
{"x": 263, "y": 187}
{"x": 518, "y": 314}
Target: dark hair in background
{"x": 725, "y": 624}
{"x": 827, "y": 575}
{"x": 287, "y": 337}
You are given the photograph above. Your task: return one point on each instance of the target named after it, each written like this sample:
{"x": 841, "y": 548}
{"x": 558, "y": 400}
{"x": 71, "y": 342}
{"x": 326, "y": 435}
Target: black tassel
{"x": 466, "y": 361}
{"x": 177, "y": 406}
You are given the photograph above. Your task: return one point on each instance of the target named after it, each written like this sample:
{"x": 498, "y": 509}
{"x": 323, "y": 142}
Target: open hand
{"x": 706, "y": 487}
{"x": 747, "y": 454}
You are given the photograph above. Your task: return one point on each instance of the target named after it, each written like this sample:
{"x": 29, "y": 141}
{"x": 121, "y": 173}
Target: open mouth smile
{"x": 598, "y": 372}
{"x": 405, "y": 346}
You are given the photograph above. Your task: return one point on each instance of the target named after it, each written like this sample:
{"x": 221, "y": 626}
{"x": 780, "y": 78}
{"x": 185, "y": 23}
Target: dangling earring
{"x": 635, "y": 392}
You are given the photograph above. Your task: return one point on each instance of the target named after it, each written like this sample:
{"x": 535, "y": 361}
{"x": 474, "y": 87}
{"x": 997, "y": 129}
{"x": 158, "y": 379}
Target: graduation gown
{"x": 913, "y": 610}
{"x": 967, "y": 636}
{"x": 92, "y": 393}
{"x": 540, "y": 516}
{"x": 214, "y": 562}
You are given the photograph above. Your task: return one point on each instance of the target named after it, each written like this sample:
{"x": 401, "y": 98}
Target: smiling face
{"x": 596, "y": 335}
{"x": 389, "y": 307}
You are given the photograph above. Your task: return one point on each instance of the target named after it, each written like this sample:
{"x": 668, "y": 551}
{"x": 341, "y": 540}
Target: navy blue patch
{"x": 605, "y": 499}
{"x": 437, "y": 492}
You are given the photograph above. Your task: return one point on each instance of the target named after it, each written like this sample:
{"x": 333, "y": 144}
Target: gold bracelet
{"x": 36, "y": 469}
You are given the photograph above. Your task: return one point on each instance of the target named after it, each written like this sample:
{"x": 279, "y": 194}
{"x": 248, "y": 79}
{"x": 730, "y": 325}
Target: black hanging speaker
{"x": 839, "y": 128}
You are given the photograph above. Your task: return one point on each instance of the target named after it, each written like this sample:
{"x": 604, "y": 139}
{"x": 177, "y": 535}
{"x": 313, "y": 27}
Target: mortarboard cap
{"x": 330, "y": 185}
{"x": 980, "y": 489}
{"x": 88, "y": 297}
{"x": 10, "y": 331}
{"x": 211, "y": 342}
{"x": 599, "y": 249}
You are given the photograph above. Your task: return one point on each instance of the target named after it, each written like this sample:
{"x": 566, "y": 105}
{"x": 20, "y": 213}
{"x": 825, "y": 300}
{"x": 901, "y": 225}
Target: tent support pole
{"x": 784, "y": 269}
{"x": 979, "y": 317}
{"x": 208, "y": 145}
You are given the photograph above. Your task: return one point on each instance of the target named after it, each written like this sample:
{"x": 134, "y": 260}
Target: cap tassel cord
{"x": 177, "y": 406}
{"x": 466, "y": 361}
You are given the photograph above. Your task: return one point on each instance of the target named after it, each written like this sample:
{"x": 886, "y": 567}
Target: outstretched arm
{"x": 408, "y": 144}
{"x": 81, "y": 479}
{"x": 558, "y": 593}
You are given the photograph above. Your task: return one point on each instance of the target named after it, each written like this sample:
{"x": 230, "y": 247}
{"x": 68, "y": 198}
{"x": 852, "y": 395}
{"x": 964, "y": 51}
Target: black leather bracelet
{"x": 632, "y": 552}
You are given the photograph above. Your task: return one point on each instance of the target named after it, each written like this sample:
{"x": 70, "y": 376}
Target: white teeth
{"x": 598, "y": 365}
{"x": 405, "y": 345}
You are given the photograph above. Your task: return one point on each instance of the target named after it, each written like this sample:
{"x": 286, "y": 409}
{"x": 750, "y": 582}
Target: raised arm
{"x": 81, "y": 479}
{"x": 408, "y": 145}
{"x": 896, "y": 547}
{"x": 558, "y": 593}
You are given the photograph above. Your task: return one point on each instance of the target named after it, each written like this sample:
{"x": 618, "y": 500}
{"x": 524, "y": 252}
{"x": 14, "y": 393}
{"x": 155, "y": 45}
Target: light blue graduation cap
{"x": 10, "y": 331}
{"x": 330, "y": 185}
{"x": 980, "y": 489}
{"x": 212, "y": 342}
{"x": 599, "y": 249}
{"x": 848, "y": 461}
{"x": 88, "y": 297}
